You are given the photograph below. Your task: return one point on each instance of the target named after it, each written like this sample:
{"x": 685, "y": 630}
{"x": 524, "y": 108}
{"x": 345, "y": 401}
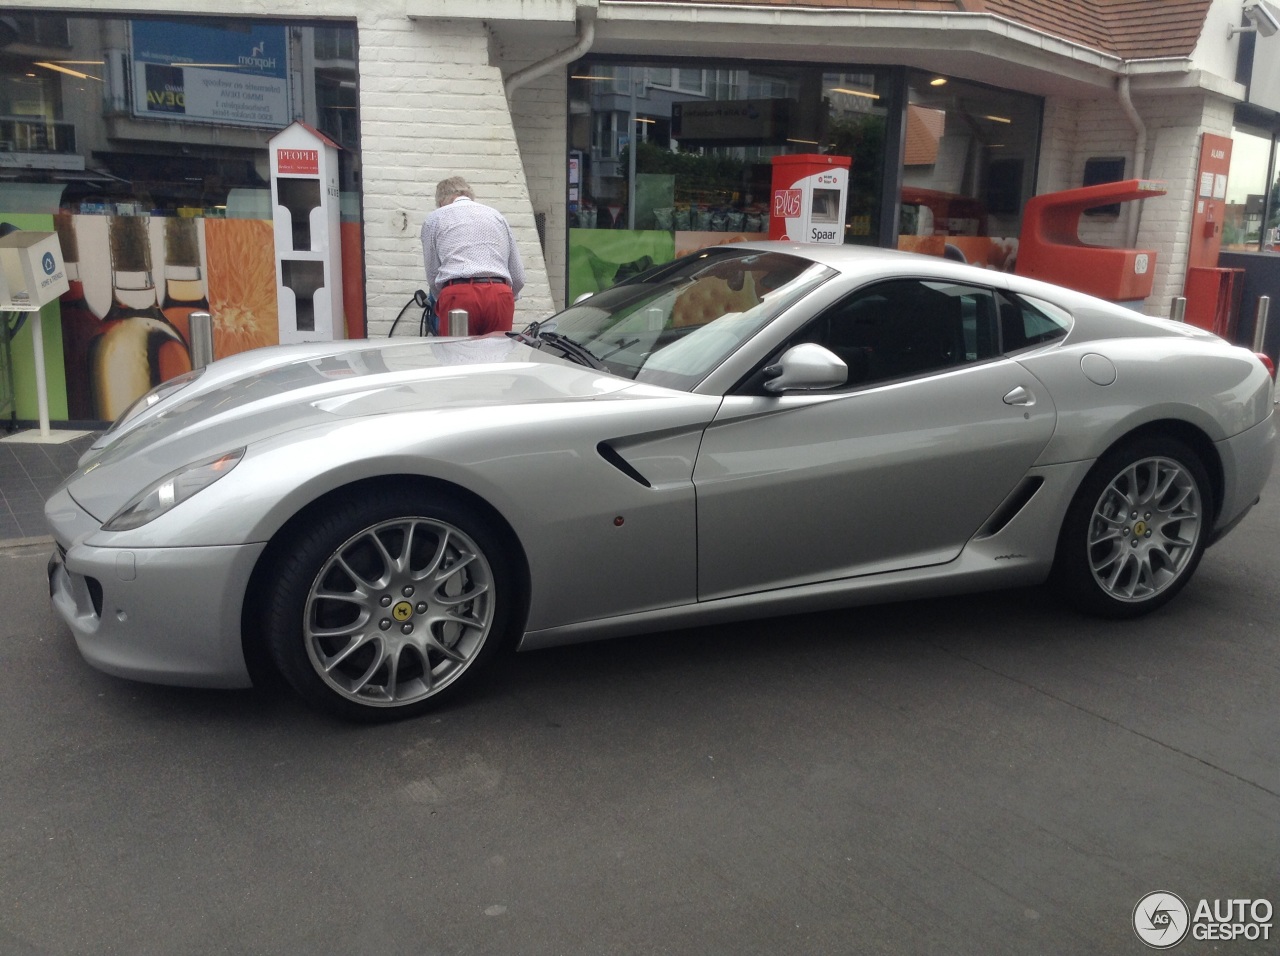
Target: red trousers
{"x": 490, "y": 306}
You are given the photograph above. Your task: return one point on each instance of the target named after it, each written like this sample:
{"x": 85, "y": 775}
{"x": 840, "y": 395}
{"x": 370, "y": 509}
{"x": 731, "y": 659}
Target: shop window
{"x": 968, "y": 169}
{"x": 682, "y": 156}
{"x": 1271, "y": 230}
{"x": 1252, "y": 215}
{"x": 161, "y": 200}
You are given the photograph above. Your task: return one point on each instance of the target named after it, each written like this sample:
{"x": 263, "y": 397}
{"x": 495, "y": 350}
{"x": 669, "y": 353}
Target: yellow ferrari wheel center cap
{"x": 1139, "y": 529}
{"x": 402, "y": 611}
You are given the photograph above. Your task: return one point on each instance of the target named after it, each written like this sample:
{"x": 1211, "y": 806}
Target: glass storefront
{"x": 968, "y": 167}
{"x": 144, "y": 144}
{"x": 1253, "y": 192}
{"x": 669, "y": 157}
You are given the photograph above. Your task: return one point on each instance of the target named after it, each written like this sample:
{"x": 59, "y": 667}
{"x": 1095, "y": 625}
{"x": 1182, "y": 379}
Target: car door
{"x": 897, "y": 469}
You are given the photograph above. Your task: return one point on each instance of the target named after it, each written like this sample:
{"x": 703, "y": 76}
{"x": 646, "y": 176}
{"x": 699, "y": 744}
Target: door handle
{"x": 1020, "y": 396}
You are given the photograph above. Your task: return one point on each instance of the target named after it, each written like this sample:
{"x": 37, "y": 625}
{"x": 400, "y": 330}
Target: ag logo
{"x": 1161, "y": 920}
{"x": 48, "y": 264}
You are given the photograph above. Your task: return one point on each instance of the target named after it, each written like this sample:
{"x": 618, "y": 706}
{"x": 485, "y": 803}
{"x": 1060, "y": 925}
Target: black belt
{"x": 476, "y": 279}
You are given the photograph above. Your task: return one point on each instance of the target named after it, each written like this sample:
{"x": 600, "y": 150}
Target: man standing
{"x": 471, "y": 259}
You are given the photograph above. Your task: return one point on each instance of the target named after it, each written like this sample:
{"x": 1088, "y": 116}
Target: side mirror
{"x": 806, "y": 366}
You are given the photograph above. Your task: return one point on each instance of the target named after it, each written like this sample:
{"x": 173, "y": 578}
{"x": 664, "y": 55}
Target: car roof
{"x": 869, "y": 259}
{"x": 873, "y": 261}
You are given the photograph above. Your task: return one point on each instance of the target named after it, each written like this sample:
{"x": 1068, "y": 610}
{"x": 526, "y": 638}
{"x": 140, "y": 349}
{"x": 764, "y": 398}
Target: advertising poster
{"x": 123, "y": 326}
{"x": 202, "y": 74}
{"x": 600, "y": 258}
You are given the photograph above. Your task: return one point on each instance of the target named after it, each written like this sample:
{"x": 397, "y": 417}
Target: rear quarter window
{"x": 1026, "y": 322}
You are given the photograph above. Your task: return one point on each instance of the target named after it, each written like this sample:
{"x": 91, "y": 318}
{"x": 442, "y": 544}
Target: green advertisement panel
{"x": 600, "y": 258}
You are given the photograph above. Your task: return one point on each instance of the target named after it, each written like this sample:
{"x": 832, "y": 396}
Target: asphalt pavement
{"x": 982, "y": 775}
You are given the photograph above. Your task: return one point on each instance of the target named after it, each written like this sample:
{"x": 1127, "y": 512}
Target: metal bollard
{"x": 201, "y": 338}
{"x": 1178, "y": 311}
{"x": 458, "y": 322}
{"x": 1260, "y": 323}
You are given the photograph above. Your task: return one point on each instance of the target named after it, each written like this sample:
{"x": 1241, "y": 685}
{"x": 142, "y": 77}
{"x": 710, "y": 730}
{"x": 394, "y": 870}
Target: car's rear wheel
{"x": 1136, "y": 529}
{"x": 387, "y": 605}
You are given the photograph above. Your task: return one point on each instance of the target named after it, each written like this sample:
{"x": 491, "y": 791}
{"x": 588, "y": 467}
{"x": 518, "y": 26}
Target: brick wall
{"x": 432, "y": 106}
{"x": 539, "y": 113}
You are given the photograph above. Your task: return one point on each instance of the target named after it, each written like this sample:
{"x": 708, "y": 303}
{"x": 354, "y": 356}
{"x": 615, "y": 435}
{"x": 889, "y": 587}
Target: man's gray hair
{"x": 447, "y": 190}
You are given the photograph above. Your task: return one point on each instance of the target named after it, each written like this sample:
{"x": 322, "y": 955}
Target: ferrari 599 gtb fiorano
{"x": 754, "y": 429}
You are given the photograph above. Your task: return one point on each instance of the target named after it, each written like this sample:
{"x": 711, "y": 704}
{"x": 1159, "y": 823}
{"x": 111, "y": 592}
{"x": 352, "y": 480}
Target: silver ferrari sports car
{"x": 754, "y": 429}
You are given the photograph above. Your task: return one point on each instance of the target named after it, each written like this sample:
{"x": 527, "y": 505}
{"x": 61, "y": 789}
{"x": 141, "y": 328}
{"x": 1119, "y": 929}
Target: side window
{"x": 908, "y": 327}
{"x": 1024, "y": 323}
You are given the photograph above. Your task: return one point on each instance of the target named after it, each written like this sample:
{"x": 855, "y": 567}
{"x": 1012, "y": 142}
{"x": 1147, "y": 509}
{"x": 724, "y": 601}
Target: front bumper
{"x": 162, "y": 615}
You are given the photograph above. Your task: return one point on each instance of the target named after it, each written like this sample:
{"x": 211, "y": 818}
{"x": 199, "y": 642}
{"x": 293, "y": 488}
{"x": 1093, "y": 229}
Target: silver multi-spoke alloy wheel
{"x": 1145, "y": 529}
{"x": 399, "y": 611}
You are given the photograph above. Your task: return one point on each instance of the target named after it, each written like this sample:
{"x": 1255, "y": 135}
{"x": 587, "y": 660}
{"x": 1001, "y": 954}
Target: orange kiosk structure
{"x": 1050, "y": 247}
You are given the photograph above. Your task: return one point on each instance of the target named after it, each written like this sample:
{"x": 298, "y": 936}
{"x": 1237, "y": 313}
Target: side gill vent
{"x": 1012, "y": 505}
{"x": 609, "y": 454}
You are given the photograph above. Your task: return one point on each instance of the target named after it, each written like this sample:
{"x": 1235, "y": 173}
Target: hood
{"x": 267, "y": 392}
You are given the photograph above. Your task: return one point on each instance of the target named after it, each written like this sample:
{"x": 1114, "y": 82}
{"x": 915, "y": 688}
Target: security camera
{"x": 1264, "y": 20}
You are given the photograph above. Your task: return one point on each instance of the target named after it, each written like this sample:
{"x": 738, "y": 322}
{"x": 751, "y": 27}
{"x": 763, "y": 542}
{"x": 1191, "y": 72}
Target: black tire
{"x": 1136, "y": 529}
{"x": 388, "y": 605}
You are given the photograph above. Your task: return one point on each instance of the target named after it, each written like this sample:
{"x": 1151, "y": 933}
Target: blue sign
{"x": 254, "y": 49}
{"x": 48, "y": 264}
{"x": 232, "y": 76}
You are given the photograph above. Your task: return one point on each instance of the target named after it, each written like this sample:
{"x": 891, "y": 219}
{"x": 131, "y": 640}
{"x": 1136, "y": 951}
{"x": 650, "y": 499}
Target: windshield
{"x": 673, "y": 325}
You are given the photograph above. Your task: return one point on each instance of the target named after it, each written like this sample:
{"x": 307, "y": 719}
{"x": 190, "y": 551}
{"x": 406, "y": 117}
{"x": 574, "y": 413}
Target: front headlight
{"x": 161, "y": 391}
{"x": 172, "y": 490}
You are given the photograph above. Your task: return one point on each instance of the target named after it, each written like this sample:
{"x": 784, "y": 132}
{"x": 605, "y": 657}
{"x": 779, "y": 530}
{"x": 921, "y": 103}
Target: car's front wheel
{"x": 1136, "y": 529}
{"x": 386, "y": 605}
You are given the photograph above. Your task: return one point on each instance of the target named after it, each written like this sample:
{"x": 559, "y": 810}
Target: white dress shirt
{"x": 466, "y": 239}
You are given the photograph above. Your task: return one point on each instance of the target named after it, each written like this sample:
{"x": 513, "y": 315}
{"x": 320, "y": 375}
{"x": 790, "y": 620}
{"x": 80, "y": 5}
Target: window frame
{"x": 1040, "y": 308}
{"x": 950, "y": 287}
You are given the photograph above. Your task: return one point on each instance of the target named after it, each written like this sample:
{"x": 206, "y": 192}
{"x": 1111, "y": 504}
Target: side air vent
{"x": 1012, "y": 505}
{"x": 609, "y": 454}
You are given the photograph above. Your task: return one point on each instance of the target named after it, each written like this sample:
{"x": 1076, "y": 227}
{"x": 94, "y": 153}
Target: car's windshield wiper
{"x": 574, "y": 350}
{"x": 534, "y": 335}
